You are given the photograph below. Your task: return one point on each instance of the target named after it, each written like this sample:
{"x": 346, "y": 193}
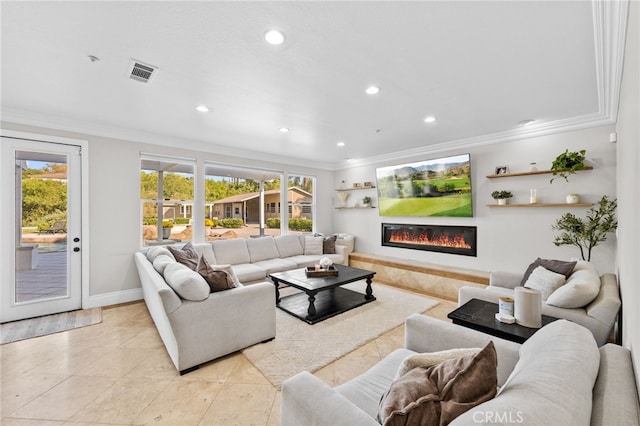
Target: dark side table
{"x": 481, "y": 315}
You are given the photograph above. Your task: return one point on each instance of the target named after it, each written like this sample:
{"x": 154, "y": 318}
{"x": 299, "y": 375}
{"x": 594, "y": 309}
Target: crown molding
{"x": 87, "y": 128}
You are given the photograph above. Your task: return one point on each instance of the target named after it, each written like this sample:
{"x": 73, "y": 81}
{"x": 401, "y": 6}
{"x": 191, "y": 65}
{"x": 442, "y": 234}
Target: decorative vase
{"x": 502, "y": 201}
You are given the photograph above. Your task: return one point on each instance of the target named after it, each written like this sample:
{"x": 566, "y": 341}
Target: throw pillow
{"x": 161, "y": 262}
{"x": 156, "y": 251}
{"x": 432, "y": 358}
{"x": 329, "y": 245}
{"x": 217, "y": 279}
{"x": 187, "y": 284}
{"x": 312, "y": 245}
{"x": 545, "y": 281}
{"x": 438, "y": 394}
{"x": 187, "y": 255}
{"x": 580, "y": 289}
{"x": 557, "y": 266}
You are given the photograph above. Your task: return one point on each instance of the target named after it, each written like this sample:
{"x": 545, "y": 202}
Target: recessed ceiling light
{"x": 284, "y": 129}
{"x": 202, "y": 108}
{"x": 527, "y": 122}
{"x": 372, "y": 90}
{"x": 274, "y": 37}
{"x": 93, "y": 58}
{"x": 340, "y": 144}
{"x": 430, "y": 119}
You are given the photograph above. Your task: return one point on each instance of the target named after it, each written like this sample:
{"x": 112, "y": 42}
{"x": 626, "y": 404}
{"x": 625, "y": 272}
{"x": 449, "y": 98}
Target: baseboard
{"x": 113, "y": 298}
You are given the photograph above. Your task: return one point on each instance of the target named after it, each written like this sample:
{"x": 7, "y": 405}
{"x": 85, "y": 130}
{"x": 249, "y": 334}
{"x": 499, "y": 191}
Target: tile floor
{"x": 118, "y": 373}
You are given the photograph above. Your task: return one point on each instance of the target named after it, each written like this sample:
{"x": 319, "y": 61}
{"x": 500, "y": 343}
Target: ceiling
{"x": 480, "y": 68}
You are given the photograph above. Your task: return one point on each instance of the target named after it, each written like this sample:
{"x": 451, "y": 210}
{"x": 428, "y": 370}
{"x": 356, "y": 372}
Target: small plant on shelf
{"x": 501, "y": 196}
{"x": 567, "y": 163}
{"x": 366, "y": 201}
{"x": 587, "y": 233}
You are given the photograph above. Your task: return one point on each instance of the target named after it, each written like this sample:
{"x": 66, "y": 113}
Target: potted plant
{"x": 366, "y": 201}
{"x": 166, "y": 229}
{"x": 587, "y": 233}
{"x": 567, "y": 163}
{"x": 501, "y": 196}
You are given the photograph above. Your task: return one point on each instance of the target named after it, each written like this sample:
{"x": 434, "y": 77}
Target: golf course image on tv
{"x": 438, "y": 187}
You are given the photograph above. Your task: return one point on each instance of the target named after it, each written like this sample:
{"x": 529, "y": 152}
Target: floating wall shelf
{"x": 537, "y": 172}
{"x": 355, "y": 189}
{"x": 543, "y": 205}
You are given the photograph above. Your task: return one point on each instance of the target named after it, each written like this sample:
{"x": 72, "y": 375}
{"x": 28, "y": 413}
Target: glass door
{"x": 41, "y": 228}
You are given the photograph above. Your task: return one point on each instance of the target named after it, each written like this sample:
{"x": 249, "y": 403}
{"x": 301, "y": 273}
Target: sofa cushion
{"x": 580, "y": 289}
{"x": 156, "y": 251}
{"x": 438, "y": 394}
{"x": 276, "y": 265}
{"x": 187, "y": 255}
{"x": 188, "y": 284}
{"x": 557, "y": 266}
{"x": 262, "y": 248}
{"x": 247, "y": 272}
{"x": 545, "y": 281}
{"x": 554, "y": 376}
{"x": 329, "y": 245}
{"x": 206, "y": 250}
{"x": 312, "y": 245}
{"x": 218, "y": 279}
{"x": 232, "y": 251}
{"x": 289, "y": 245}
{"x": 161, "y": 262}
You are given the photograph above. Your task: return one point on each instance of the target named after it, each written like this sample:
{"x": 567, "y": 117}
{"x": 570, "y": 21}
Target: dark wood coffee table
{"x": 481, "y": 315}
{"x": 322, "y": 297}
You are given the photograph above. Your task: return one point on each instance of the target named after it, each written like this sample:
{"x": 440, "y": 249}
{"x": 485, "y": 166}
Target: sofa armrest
{"x": 427, "y": 334}
{"x": 615, "y": 395}
{"x": 606, "y": 305}
{"x": 505, "y": 279}
{"x": 307, "y": 400}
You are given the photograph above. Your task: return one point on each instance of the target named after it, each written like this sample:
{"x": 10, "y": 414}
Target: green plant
{"x": 300, "y": 224}
{"x": 498, "y": 195}
{"x": 273, "y": 222}
{"x": 366, "y": 200}
{"x": 167, "y": 224}
{"x": 231, "y": 222}
{"x": 567, "y": 163}
{"x": 182, "y": 220}
{"x": 587, "y": 233}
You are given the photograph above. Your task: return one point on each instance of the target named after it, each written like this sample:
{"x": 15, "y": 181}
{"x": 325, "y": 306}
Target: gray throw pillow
{"x": 329, "y": 245}
{"x": 218, "y": 279}
{"x": 187, "y": 255}
{"x": 557, "y": 266}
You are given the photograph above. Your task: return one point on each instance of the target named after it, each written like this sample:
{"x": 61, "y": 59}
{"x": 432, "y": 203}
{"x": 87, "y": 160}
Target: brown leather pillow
{"x": 438, "y": 394}
{"x": 557, "y": 266}
{"x": 187, "y": 255}
{"x": 329, "y": 245}
{"x": 217, "y": 279}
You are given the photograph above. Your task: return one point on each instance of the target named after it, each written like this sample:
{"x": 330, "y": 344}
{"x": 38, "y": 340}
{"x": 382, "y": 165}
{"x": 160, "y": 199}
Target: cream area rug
{"x": 48, "y": 324}
{"x": 299, "y": 346}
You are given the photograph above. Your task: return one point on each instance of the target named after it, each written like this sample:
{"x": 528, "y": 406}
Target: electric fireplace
{"x": 440, "y": 238}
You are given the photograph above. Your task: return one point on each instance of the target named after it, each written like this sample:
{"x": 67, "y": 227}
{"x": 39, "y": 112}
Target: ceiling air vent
{"x": 141, "y": 72}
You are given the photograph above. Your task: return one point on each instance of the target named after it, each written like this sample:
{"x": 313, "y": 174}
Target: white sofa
{"x": 195, "y": 332}
{"x": 557, "y": 377}
{"x": 599, "y": 316}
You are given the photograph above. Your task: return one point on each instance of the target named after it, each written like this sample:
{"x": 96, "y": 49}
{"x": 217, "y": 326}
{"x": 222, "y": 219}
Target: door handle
{"x": 76, "y": 249}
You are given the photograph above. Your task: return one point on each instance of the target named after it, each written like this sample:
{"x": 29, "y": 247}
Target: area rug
{"x": 48, "y": 324}
{"x": 299, "y": 346}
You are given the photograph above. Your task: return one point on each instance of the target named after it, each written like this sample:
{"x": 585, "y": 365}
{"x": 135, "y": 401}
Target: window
{"x": 248, "y": 198}
{"x": 301, "y": 203}
{"x": 166, "y": 193}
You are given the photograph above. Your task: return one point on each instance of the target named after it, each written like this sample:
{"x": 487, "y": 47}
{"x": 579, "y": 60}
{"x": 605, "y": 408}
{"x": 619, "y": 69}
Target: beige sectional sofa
{"x": 197, "y": 331}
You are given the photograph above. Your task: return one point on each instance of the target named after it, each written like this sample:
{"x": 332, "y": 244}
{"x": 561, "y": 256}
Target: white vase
{"x": 502, "y": 201}
{"x": 573, "y": 198}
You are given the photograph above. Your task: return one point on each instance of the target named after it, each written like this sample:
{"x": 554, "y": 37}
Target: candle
{"x": 533, "y": 198}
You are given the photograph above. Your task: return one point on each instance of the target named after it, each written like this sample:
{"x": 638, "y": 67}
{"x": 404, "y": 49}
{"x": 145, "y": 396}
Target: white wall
{"x": 114, "y": 204}
{"x": 508, "y": 238}
{"x": 629, "y": 178}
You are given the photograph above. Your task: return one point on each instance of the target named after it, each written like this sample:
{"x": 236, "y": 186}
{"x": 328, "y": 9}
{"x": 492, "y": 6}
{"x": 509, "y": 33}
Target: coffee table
{"x": 322, "y": 297}
{"x": 480, "y": 315}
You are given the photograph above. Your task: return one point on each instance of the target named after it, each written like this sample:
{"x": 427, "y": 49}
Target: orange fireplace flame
{"x": 442, "y": 240}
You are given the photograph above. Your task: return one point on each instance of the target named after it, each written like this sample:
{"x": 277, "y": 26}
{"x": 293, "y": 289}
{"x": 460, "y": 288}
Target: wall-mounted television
{"x": 437, "y": 187}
